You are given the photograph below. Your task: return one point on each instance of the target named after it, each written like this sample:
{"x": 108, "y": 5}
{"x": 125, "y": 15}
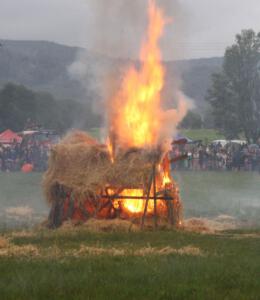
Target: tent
{"x": 8, "y": 137}
{"x": 180, "y": 140}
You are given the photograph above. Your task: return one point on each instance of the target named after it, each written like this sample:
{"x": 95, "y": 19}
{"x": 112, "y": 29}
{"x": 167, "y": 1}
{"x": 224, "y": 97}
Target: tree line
{"x": 18, "y": 104}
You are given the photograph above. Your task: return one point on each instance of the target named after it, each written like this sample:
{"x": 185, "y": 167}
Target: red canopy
{"x": 8, "y": 137}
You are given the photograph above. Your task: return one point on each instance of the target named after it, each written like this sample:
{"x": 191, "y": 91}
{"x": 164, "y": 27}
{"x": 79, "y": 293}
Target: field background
{"x": 204, "y": 194}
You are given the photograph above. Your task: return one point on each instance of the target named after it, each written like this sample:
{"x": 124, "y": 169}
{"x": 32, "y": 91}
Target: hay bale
{"x": 79, "y": 164}
{"x": 131, "y": 169}
{"x": 78, "y": 137}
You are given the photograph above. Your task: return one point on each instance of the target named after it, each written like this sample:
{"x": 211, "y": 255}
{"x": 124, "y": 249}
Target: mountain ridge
{"x": 43, "y": 66}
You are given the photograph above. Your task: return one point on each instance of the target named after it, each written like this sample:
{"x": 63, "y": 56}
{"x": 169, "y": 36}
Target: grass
{"x": 45, "y": 264}
{"x": 206, "y": 135}
{"x": 208, "y": 194}
{"x": 228, "y": 269}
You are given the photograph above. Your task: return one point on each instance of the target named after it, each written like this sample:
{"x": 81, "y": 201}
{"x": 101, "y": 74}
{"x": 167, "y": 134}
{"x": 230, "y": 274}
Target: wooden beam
{"x": 147, "y": 199}
{"x": 154, "y": 197}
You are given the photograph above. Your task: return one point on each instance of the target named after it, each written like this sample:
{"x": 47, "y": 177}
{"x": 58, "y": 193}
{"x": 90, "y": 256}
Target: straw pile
{"x": 82, "y": 165}
{"x": 131, "y": 169}
{"x": 79, "y": 164}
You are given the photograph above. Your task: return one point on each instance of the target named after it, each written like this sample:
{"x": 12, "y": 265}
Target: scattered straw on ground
{"x": 12, "y": 250}
{"x": 188, "y": 250}
{"x": 9, "y": 249}
{"x": 95, "y": 225}
{"x": 19, "y": 212}
{"x": 239, "y": 236}
{"x": 94, "y": 251}
{"x": 111, "y": 226}
{"x": 23, "y": 234}
{"x": 205, "y": 225}
{"x": 4, "y": 242}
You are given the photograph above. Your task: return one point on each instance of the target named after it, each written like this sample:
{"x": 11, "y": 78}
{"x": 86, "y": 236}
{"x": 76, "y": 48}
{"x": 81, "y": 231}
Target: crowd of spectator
{"x": 231, "y": 157}
{"x": 14, "y": 156}
{"x": 200, "y": 157}
{"x": 31, "y": 151}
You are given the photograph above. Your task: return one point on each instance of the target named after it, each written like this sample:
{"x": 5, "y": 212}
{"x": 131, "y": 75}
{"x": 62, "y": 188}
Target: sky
{"x": 199, "y": 28}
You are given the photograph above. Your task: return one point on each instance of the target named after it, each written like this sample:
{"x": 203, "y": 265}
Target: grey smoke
{"x": 116, "y": 30}
{"x": 117, "y": 27}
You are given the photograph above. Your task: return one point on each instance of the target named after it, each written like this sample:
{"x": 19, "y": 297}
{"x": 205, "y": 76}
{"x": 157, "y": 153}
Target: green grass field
{"x": 206, "y": 135}
{"x": 226, "y": 266}
{"x": 164, "y": 264}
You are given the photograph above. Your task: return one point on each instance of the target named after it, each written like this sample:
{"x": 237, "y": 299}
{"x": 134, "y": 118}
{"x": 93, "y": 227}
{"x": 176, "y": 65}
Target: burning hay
{"x": 83, "y": 175}
{"x": 129, "y": 177}
{"x": 79, "y": 164}
{"x": 131, "y": 168}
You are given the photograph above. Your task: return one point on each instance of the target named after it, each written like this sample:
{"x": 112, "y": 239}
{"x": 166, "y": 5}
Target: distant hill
{"x": 43, "y": 66}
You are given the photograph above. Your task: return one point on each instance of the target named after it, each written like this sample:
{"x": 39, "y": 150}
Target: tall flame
{"x": 137, "y": 116}
{"x": 137, "y": 120}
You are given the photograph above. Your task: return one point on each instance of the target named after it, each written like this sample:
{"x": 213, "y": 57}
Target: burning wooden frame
{"x": 82, "y": 182}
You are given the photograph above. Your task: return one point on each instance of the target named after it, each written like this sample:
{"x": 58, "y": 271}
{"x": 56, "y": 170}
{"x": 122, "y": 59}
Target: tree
{"x": 192, "y": 120}
{"x": 235, "y": 91}
{"x": 18, "y": 103}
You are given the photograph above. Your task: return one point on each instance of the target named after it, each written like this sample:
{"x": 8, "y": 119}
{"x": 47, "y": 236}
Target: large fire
{"x": 130, "y": 176}
{"x": 139, "y": 97}
{"x": 137, "y": 122}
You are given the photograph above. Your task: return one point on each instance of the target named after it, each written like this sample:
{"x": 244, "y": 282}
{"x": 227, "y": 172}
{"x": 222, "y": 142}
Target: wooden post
{"x": 171, "y": 212}
{"x": 154, "y": 196}
{"x": 147, "y": 199}
{"x": 83, "y": 210}
{"x": 71, "y": 207}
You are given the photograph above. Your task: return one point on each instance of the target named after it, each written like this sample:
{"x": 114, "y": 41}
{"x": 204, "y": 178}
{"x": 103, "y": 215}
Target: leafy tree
{"x": 235, "y": 92}
{"x": 17, "y": 104}
{"x": 192, "y": 120}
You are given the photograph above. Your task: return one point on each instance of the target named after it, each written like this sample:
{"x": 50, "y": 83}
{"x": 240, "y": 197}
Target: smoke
{"x": 114, "y": 33}
{"x": 172, "y": 117}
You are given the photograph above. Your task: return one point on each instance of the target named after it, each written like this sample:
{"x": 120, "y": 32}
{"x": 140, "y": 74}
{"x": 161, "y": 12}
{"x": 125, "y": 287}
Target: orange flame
{"x": 137, "y": 123}
{"x": 137, "y": 114}
{"x": 110, "y": 149}
{"x": 136, "y": 207}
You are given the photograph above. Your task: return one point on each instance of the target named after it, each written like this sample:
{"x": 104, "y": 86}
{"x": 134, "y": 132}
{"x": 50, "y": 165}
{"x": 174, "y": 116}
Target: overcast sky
{"x": 200, "y": 28}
